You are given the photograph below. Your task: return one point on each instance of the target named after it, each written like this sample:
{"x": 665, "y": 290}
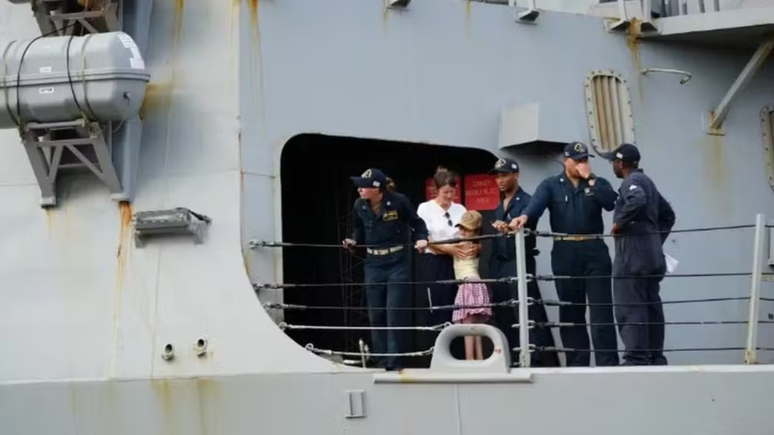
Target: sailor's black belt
{"x": 384, "y": 251}
{"x": 578, "y": 238}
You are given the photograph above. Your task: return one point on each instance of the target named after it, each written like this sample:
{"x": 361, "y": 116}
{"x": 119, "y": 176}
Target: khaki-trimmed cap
{"x": 471, "y": 220}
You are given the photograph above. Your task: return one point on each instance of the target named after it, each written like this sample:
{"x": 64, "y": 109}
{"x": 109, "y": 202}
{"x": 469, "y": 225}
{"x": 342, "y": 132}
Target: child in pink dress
{"x": 470, "y": 293}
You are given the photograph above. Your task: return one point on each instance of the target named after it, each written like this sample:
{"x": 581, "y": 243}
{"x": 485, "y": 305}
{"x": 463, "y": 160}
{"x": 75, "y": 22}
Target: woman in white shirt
{"x": 441, "y": 216}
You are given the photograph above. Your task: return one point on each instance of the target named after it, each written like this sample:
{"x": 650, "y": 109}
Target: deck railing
{"x": 522, "y": 349}
{"x": 752, "y": 322}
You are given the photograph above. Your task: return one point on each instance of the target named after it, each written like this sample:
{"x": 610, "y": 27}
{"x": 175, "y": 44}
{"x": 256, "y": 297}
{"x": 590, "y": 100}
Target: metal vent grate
{"x": 767, "y": 133}
{"x": 609, "y": 110}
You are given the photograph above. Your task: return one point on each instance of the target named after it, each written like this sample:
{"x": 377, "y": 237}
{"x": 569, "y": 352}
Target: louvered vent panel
{"x": 609, "y": 110}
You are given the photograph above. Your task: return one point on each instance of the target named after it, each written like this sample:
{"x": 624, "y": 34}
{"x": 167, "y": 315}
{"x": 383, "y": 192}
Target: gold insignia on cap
{"x": 580, "y": 148}
{"x": 500, "y": 163}
{"x": 366, "y": 174}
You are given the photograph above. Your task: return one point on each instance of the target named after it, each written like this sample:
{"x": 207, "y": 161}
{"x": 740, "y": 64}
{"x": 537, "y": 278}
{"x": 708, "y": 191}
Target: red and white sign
{"x": 430, "y": 190}
{"x": 481, "y": 192}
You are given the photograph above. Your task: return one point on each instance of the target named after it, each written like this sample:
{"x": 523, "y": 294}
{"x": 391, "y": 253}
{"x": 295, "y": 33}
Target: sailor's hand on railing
{"x": 421, "y": 245}
{"x": 349, "y": 244}
{"x": 500, "y": 226}
{"x": 615, "y": 230}
{"x": 518, "y": 223}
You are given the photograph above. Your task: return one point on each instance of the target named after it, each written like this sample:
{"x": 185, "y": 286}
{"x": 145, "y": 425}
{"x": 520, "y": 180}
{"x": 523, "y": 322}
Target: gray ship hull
{"x": 240, "y": 92}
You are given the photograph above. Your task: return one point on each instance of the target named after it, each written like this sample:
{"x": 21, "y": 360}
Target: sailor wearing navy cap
{"x": 575, "y": 198}
{"x": 502, "y": 264}
{"x": 383, "y": 219}
{"x": 642, "y": 221}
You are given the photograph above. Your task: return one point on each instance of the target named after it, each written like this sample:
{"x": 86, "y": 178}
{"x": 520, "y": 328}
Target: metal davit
{"x": 76, "y": 99}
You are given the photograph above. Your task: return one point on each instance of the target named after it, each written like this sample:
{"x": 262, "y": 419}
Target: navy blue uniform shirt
{"x": 574, "y": 210}
{"x": 504, "y": 249}
{"x": 389, "y": 226}
{"x": 641, "y": 210}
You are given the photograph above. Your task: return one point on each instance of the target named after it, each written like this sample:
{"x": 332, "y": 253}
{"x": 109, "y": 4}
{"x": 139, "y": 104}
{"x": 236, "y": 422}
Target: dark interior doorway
{"x": 317, "y": 199}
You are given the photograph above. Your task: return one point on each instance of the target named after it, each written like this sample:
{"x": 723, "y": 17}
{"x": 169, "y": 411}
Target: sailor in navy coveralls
{"x": 383, "y": 219}
{"x": 502, "y": 264}
{"x": 642, "y": 222}
{"x": 575, "y": 199}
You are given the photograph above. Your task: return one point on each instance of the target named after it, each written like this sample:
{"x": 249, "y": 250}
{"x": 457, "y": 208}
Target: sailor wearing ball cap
{"x": 502, "y": 264}
{"x": 576, "y": 198}
{"x": 643, "y": 220}
{"x": 383, "y": 220}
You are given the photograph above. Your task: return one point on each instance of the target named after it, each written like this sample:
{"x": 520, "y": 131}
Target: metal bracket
{"x": 396, "y": 4}
{"x": 526, "y": 17}
{"x": 54, "y": 146}
{"x": 755, "y": 63}
{"x": 98, "y": 17}
{"x": 623, "y": 23}
{"x": 647, "y": 25}
{"x": 166, "y": 222}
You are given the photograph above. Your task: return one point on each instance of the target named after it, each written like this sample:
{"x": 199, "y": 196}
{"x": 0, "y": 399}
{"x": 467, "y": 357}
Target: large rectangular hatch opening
{"x": 317, "y": 199}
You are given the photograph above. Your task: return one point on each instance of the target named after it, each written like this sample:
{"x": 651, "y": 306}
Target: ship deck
{"x": 741, "y": 27}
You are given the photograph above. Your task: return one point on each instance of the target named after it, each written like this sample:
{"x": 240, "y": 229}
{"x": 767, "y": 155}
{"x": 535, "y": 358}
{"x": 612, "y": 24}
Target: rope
{"x": 695, "y": 349}
{"x": 669, "y": 275}
{"x": 527, "y": 232}
{"x": 505, "y": 280}
{"x": 310, "y": 347}
{"x": 266, "y": 244}
{"x": 279, "y": 306}
{"x": 508, "y": 280}
{"x": 508, "y": 303}
{"x": 556, "y": 303}
{"x": 283, "y": 326}
{"x": 601, "y": 236}
{"x": 686, "y": 323}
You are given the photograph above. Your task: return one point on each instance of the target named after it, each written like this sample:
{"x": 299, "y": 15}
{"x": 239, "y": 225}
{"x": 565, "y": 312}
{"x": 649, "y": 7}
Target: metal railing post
{"x": 521, "y": 272}
{"x": 751, "y": 350}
